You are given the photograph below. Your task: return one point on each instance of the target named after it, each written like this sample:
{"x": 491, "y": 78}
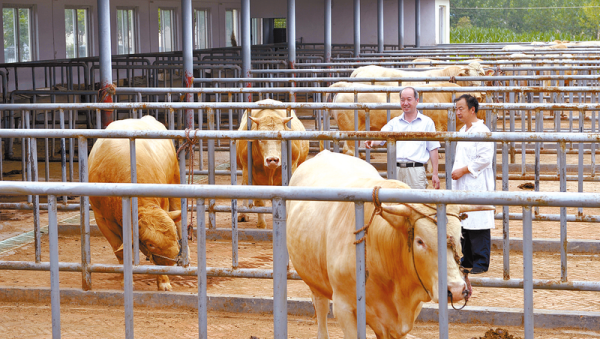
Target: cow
{"x": 473, "y": 69}
{"x": 378, "y": 118}
{"x": 401, "y": 249}
{"x": 266, "y": 154}
{"x": 159, "y": 219}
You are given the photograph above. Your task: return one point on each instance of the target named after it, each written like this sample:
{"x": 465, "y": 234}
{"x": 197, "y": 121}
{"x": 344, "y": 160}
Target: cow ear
{"x": 489, "y": 72}
{"x": 254, "y": 120}
{"x": 463, "y": 72}
{"x": 175, "y": 215}
{"x": 473, "y": 208}
{"x": 288, "y": 119}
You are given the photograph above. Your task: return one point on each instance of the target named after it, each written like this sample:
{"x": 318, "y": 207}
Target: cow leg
{"x": 114, "y": 239}
{"x": 321, "y": 305}
{"x": 348, "y": 148}
{"x": 344, "y": 312}
{"x": 163, "y": 283}
{"x": 243, "y": 217}
{"x": 261, "y": 216}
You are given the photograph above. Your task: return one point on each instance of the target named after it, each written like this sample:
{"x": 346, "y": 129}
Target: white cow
{"x": 401, "y": 251}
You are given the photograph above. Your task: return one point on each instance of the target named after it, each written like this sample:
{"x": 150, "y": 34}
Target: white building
{"x": 59, "y": 29}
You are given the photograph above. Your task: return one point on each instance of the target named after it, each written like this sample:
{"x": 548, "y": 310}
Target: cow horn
{"x": 473, "y": 208}
{"x": 400, "y": 210}
{"x": 288, "y": 119}
{"x": 254, "y": 120}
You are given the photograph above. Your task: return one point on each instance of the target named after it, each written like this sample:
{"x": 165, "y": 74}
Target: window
{"x": 166, "y": 28}
{"x": 126, "y": 31}
{"x": 77, "y": 32}
{"x": 201, "y": 29}
{"x": 257, "y": 31}
{"x": 231, "y": 27}
{"x": 18, "y": 34}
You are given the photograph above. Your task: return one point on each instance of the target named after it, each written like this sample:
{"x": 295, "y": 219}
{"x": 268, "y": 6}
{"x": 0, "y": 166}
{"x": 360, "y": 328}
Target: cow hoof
{"x": 243, "y": 218}
{"x": 261, "y": 225}
{"x": 164, "y": 286}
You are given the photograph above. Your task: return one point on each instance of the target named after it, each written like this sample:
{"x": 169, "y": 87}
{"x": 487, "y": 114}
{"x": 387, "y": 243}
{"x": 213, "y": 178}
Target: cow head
{"x": 421, "y": 234}
{"x": 473, "y": 69}
{"x": 159, "y": 234}
{"x": 270, "y": 149}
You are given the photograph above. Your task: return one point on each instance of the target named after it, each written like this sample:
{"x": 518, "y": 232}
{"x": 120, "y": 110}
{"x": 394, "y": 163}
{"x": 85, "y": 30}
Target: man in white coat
{"x": 473, "y": 171}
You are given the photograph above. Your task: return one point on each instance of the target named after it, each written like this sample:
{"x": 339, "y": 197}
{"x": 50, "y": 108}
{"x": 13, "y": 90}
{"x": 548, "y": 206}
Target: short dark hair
{"x": 471, "y": 101}
{"x": 415, "y": 93}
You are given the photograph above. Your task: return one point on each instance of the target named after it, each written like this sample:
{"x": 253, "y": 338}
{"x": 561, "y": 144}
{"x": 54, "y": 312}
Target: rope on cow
{"x": 377, "y": 210}
{"x": 189, "y": 146}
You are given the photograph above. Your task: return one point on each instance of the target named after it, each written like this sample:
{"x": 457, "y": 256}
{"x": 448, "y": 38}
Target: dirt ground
{"x": 21, "y": 320}
{"x": 33, "y": 320}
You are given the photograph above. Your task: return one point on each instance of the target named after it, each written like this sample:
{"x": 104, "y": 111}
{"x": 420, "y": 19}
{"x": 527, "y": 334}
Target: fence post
{"x": 361, "y": 302}
{"x": 280, "y": 268}
{"x": 54, "y": 275}
{"x": 442, "y": 271}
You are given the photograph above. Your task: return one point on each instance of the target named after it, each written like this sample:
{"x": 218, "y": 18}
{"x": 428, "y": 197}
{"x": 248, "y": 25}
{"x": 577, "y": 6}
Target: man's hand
{"x": 459, "y": 172}
{"x": 371, "y": 143}
{"x": 435, "y": 181}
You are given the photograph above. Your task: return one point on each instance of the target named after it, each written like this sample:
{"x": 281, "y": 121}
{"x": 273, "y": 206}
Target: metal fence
{"x": 279, "y": 195}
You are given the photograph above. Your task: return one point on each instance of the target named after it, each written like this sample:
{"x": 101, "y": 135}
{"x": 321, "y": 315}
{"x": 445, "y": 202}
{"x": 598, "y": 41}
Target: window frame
{"x": 135, "y": 27}
{"x": 161, "y": 35}
{"x": 208, "y": 21}
{"x": 89, "y": 31}
{"x": 236, "y": 14}
{"x": 33, "y": 48}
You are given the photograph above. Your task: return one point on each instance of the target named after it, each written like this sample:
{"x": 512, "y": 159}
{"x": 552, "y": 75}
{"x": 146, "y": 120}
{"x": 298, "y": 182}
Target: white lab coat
{"x": 477, "y": 156}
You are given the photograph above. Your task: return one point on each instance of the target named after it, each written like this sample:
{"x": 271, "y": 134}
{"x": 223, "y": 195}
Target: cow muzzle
{"x": 178, "y": 260}
{"x": 272, "y": 162}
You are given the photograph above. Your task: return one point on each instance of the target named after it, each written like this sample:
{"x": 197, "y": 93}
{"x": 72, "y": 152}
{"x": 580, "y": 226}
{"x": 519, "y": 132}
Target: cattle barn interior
{"x": 197, "y": 67}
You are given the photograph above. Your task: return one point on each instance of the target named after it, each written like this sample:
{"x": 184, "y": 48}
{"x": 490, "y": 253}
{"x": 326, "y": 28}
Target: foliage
{"x": 483, "y": 35}
{"x": 539, "y": 16}
{"x": 464, "y": 22}
{"x": 280, "y": 23}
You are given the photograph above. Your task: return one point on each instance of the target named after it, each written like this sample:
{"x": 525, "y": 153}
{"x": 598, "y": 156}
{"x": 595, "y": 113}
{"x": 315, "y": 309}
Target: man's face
{"x": 463, "y": 111}
{"x": 408, "y": 101}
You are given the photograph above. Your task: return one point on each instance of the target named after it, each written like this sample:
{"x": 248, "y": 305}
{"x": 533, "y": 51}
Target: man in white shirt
{"x": 411, "y": 156}
{"x": 473, "y": 171}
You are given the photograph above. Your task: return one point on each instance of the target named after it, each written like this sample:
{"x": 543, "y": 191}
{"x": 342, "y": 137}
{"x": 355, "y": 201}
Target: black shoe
{"x": 477, "y": 270}
{"x": 465, "y": 270}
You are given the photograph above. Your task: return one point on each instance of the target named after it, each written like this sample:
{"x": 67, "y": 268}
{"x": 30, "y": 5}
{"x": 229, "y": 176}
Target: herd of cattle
{"x": 402, "y": 241}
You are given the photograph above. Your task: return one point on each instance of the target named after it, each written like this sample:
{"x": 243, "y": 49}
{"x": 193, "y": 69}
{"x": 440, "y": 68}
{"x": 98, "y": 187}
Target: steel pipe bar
{"x": 280, "y": 268}
{"x": 127, "y": 267}
{"x": 297, "y": 135}
{"x": 356, "y": 27}
{"x": 528, "y": 272}
{"x": 202, "y": 281}
{"x": 54, "y": 266}
{"x": 380, "y": 30}
{"x": 105, "y": 63}
{"x": 187, "y": 40}
{"x": 442, "y": 259}
{"x": 327, "y": 38}
{"x": 542, "y": 284}
{"x": 361, "y": 265}
{"x": 246, "y": 46}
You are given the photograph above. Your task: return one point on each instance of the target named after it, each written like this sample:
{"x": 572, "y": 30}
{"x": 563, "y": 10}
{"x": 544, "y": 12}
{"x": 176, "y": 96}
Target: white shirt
{"x": 477, "y": 156}
{"x": 412, "y": 151}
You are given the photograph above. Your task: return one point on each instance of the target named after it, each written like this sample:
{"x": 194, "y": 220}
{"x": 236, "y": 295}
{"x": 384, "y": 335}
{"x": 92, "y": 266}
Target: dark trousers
{"x": 476, "y": 247}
